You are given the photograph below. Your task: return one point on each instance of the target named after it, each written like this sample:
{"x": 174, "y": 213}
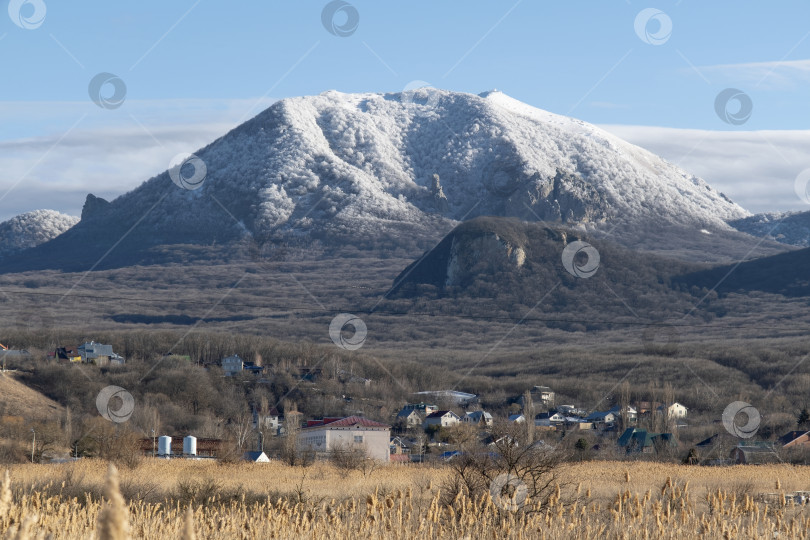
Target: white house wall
{"x": 376, "y": 442}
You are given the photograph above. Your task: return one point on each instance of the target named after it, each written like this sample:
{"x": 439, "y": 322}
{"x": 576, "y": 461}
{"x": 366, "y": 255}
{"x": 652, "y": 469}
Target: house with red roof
{"x": 353, "y": 432}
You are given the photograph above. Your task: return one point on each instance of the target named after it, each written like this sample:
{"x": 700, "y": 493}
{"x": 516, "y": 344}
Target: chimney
{"x": 261, "y": 442}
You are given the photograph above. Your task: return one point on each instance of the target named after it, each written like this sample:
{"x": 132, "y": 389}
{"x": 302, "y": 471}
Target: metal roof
{"x": 349, "y": 421}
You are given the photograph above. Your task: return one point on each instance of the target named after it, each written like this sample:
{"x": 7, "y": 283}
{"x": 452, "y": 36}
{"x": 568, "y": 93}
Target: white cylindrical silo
{"x": 165, "y": 446}
{"x": 190, "y": 445}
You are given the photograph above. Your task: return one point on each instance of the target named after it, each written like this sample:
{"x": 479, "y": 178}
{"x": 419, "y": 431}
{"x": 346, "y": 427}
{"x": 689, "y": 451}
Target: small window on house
{"x": 358, "y": 439}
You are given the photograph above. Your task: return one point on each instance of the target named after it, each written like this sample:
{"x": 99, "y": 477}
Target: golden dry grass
{"x": 612, "y": 500}
{"x": 19, "y": 399}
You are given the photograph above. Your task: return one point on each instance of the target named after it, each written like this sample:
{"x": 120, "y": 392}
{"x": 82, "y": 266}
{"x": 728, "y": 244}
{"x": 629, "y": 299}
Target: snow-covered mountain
{"x": 353, "y": 167}
{"x": 787, "y": 227}
{"x": 32, "y": 229}
{"x": 356, "y": 163}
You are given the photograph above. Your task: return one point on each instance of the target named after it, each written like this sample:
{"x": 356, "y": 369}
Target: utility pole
{"x": 33, "y": 444}
{"x": 153, "y": 443}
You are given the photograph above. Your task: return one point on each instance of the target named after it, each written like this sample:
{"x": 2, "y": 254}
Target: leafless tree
{"x": 48, "y": 437}
{"x": 352, "y": 457}
{"x": 668, "y": 420}
{"x": 528, "y": 414}
{"x": 240, "y": 425}
{"x": 534, "y": 470}
{"x": 624, "y": 405}
{"x": 291, "y": 453}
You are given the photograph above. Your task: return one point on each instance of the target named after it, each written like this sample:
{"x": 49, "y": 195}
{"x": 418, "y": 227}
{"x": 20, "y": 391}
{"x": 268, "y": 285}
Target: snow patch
{"x": 32, "y": 229}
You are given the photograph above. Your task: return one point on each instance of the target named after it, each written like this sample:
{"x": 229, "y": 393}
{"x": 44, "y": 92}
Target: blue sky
{"x": 193, "y": 69}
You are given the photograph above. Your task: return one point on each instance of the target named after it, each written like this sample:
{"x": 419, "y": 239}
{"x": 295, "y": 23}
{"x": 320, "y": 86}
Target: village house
{"x": 353, "y": 432}
{"x": 233, "y": 365}
{"x": 645, "y": 407}
{"x": 67, "y": 354}
{"x": 575, "y": 422}
{"x": 631, "y": 412}
{"x": 8, "y": 354}
{"x": 795, "y": 439}
{"x": 543, "y": 394}
{"x": 399, "y": 451}
{"x": 673, "y": 410}
{"x": 478, "y": 417}
{"x": 571, "y": 410}
{"x": 269, "y": 422}
{"x": 421, "y": 407}
{"x": 441, "y": 419}
{"x": 413, "y": 414}
{"x": 754, "y": 453}
{"x": 641, "y": 440}
{"x": 98, "y": 354}
{"x": 549, "y": 419}
{"x": 517, "y": 418}
{"x": 398, "y": 446}
{"x": 409, "y": 418}
{"x": 601, "y": 419}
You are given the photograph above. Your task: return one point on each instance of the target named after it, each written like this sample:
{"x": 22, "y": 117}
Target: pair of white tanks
{"x": 165, "y": 446}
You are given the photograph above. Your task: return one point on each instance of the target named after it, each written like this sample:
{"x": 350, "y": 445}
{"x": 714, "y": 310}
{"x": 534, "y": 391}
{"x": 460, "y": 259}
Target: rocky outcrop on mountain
{"x": 565, "y": 197}
{"x": 94, "y": 206}
{"x": 439, "y": 198}
{"x": 493, "y": 266}
{"x": 484, "y": 245}
{"x": 490, "y": 249}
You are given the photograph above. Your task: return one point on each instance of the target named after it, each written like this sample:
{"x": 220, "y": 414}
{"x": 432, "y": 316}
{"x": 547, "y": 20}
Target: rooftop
{"x": 447, "y": 393}
{"x": 349, "y": 421}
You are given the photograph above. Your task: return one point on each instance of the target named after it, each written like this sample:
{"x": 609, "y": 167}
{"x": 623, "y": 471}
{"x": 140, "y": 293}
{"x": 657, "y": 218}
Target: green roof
{"x": 635, "y": 438}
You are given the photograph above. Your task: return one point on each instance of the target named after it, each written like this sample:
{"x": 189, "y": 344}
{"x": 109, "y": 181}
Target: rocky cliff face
{"x": 439, "y": 198}
{"x": 94, "y": 207}
{"x": 565, "y": 198}
{"x": 488, "y": 249}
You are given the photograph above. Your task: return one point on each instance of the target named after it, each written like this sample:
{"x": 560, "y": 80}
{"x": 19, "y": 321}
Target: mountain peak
{"x": 356, "y": 167}
{"x": 93, "y": 206}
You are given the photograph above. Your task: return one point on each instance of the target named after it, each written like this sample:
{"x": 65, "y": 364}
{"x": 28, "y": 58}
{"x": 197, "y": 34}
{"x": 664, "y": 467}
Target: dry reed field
{"x": 184, "y": 499}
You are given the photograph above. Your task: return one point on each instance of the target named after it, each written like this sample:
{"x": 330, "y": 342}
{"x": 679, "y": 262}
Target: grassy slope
{"x": 17, "y": 399}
